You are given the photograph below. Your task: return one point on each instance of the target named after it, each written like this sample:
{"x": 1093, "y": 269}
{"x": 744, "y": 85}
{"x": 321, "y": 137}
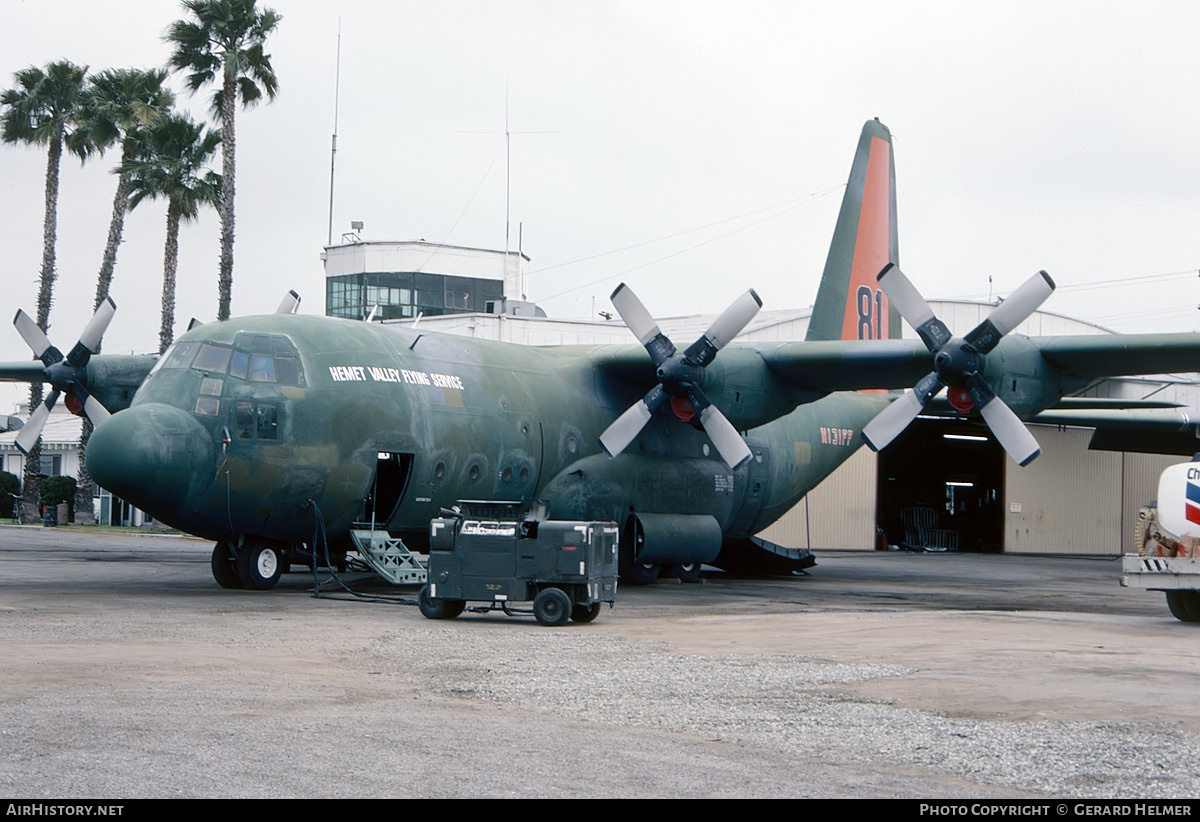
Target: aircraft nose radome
{"x": 152, "y": 456}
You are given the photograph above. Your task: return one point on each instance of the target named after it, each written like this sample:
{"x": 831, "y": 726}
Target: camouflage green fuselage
{"x": 246, "y": 427}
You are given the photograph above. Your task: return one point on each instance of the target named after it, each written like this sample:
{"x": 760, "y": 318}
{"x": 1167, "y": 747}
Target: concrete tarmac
{"x": 129, "y": 673}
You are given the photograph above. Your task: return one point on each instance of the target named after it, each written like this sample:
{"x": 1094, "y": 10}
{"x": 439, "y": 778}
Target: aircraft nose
{"x": 153, "y": 456}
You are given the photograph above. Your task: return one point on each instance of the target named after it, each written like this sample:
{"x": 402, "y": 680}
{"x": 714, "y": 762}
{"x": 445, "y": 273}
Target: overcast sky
{"x": 692, "y": 149}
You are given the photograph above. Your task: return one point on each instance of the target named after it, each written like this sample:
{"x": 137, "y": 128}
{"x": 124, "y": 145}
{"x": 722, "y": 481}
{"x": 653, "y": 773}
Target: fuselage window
{"x": 210, "y": 385}
{"x": 212, "y": 358}
{"x": 181, "y": 356}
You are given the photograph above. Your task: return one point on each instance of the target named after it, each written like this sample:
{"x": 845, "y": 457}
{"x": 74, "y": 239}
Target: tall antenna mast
{"x": 337, "y": 85}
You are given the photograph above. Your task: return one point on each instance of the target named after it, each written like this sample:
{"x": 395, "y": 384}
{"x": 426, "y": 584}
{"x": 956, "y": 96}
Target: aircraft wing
{"x": 1122, "y": 354}
{"x": 1140, "y": 430}
{"x": 836, "y": 365}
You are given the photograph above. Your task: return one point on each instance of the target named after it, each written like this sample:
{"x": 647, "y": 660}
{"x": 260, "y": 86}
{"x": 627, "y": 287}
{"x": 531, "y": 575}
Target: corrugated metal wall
{"x": 1067, "y": 501}
{"x": 1077, "y": 501}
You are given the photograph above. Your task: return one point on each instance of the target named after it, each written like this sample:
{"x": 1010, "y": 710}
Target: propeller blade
{"x": 34, "y": 337}
{"x": 27, "y": 437}
{"x": 635, "y": 315}
{"x": 1013, "y": 435}
{"x": 625, "y": 428}
{"x": 96, "y": 412}
{"x": 290, "y": 303}
{"x": 724, "y": 328}
{"x": 913, "y": 307}
{"x": 1011, "y": 313}
{"x": 89, "y": 340}
{"x": 733, "y": 319}
{"x": 729, "y": 442}
{"x": 891, "y": 421}
{"x": 643, "y": 326}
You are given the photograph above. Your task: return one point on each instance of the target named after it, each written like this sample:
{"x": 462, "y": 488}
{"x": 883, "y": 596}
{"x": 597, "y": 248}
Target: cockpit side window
{"x": 181, "y": 355}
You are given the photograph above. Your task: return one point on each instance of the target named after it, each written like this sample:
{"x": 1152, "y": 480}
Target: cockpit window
{"x": 212, "y": 358}
{"x": 262, "y": 368}
{"x": 288, "y": 370}
{"x": 265, "y": 358}
{"x": 181, "y": 355}
{"x": 239, "y": 365}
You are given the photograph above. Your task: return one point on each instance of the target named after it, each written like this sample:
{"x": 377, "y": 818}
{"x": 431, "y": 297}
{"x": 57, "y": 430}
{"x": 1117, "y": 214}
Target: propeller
{"x": 680, "y": 375}
{"x": 958, "y": 364}
{"x": 65, "y": 374}
{"x": 290, "y": 303}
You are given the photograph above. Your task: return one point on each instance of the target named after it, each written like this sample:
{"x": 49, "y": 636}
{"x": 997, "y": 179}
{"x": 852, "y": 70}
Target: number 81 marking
{"x": 870, "y": 311}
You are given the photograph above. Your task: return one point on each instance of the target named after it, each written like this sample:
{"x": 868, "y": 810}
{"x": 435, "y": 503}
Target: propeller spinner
{"x": 65, "y": 374}
{"x": 958, "y": 363}
{"x": 680, "y": 375}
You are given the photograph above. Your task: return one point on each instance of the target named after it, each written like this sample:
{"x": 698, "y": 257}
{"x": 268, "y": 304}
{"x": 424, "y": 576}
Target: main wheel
{"x": 552, "y": 606}
{"x": 260, "y": 564}
{"x": 1184, "y": 605}
{"x": 585, "y": 613}
{"x": 640, "y": 573}
{"x": 687, "y": 572}
{"x": 434, "y": 608}
{"x": 224, "y": 566}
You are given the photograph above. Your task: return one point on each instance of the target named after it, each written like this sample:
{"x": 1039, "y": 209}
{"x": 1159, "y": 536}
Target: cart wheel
{"x": 585, "y": 613}
{"x": 552, "y": 606}
{"x": 434, "y": 608}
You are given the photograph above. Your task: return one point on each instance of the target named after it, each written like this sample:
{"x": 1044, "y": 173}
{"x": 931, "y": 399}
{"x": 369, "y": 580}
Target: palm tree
{"x": 43, "y": 110}
{"x": 225, "y": 40}
{"x": 120, "y": 103}
{"x": 171, "y": 162}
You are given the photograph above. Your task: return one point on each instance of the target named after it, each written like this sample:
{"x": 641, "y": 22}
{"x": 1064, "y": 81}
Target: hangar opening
{"x": 941, "y": 487}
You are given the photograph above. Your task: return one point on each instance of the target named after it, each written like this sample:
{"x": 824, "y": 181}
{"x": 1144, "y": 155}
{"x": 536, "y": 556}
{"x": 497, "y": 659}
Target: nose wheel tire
{"x": 224, "y": 567}
{"x": 260, "y": 564}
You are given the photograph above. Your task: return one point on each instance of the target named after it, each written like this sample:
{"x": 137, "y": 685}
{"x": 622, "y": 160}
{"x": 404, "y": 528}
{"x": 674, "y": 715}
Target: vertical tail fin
{"x": 850, "y": 304}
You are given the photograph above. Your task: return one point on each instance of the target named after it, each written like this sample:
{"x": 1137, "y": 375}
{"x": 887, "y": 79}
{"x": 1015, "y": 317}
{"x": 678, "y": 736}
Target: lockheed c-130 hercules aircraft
{"x": 270, "y": 434}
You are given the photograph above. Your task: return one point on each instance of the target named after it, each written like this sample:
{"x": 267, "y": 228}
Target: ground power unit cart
{"x": 489, "y": 553}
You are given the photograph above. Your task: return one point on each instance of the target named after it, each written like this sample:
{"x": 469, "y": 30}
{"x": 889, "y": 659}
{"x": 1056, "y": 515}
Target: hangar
{"x": 943, "y": 485}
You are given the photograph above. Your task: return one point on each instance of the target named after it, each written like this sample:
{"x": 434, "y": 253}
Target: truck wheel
{"x": 1184, "y": 605}
{"x": 224, "y": 567}
{"x": 552, "y": 606}
{"x": 434, "y": 608}
{"x": 585, "y": 613}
